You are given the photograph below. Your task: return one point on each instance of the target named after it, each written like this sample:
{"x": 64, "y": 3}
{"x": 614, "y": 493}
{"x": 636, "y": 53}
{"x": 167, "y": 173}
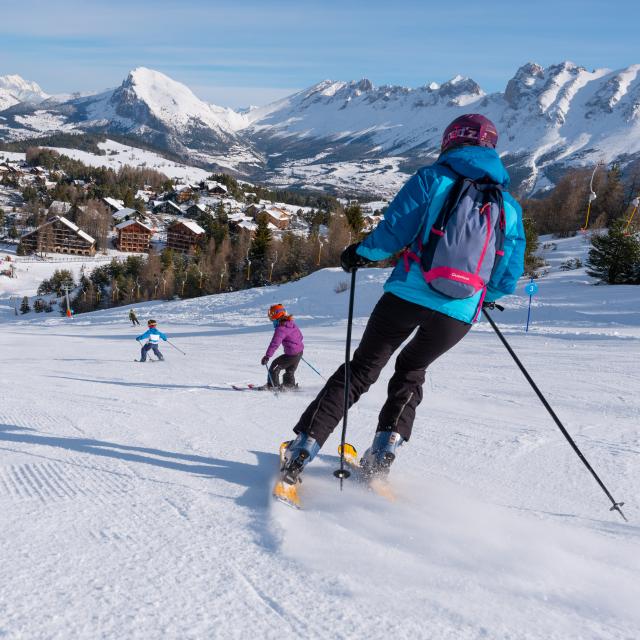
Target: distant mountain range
{"x": 352, "y": 136}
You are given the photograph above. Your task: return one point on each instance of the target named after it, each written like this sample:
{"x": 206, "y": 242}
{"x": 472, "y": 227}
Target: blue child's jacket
{"x": 153, "y": 334}
{"x": 413, "y": 212}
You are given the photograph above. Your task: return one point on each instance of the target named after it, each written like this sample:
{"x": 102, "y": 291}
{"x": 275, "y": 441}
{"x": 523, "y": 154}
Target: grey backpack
{"x": 463, "y": 247}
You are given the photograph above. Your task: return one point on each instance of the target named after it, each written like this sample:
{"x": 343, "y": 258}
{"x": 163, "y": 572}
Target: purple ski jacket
{"x": 289, "y": 336}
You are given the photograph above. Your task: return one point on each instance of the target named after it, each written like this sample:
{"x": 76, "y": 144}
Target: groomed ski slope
{"x": 135, "y": 498}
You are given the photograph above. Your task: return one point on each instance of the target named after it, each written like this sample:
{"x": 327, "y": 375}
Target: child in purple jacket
{"x": 289, "y": 336}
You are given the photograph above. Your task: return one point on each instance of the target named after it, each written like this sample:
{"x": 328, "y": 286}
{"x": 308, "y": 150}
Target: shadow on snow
{"x": 255, "y": 478}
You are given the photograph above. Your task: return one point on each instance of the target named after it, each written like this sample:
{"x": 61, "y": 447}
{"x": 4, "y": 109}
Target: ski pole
{"x": 343, "y": 473}
{"x": 312, "y": 367}
{"x": 616, "y": 505}
{"x": 270, "y": 379}
{"x": 178, "y": 348}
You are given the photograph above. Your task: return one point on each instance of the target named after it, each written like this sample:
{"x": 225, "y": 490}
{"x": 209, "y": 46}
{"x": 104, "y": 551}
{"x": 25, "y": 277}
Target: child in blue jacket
{"x": 411, "y": 304}
{"x": 154, "y": 336}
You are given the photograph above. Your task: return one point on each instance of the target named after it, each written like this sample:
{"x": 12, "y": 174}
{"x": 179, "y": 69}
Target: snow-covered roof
{"x": 201, "y": 207}
{"x": 277, "y": 213}
{"x": 172, "y": 205}
{"x": 123, "y": 213}
{"x": 75, "y": 228}
{"x": 57, "y": 206}
{"x": 128, "y": 223}
{"x": 190, "y": 224}
{"x": 212, "y": 184}
{"x": 112, "y": 202}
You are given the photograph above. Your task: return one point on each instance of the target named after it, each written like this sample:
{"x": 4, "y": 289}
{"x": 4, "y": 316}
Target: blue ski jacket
{"x": 153, "y": 334}
{"x": 414, "y": 211}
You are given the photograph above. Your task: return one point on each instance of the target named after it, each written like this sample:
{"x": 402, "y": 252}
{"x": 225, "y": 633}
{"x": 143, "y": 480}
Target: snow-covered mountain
{"x": 546, "y": 118}
{"x": 358, "y": 137}
{"x": 148, "y": 105}
{"x": 15, "y": 89}
{"x": 149, "y": 99}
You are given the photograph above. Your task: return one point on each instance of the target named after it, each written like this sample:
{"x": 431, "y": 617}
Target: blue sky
{"x": 248, "y": 52}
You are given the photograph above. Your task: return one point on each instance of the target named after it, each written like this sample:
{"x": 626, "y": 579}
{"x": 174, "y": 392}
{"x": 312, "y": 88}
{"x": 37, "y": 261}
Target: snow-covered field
{"x": 136, "y": 497}
{"x": 120, "y": 155}
{"x": 30, "y": 271}
{"x": 381, "y": 177}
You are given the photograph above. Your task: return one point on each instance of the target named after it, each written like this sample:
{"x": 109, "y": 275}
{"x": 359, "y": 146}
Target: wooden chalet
{"x": 182, "y": 194}
{"x": 133, "y": 235}
{"x": 279, "y": 218}
{"x": 166, "y": 206}
{"x": 127, "y": 213}
{"x": 214, "y": 188}
{"x": 185, "y": 236}
{"x": 195, "y": 211}
{"x": 10, "y": 168}
{"x": 59, "y": 235}
{"x": 253, "y": 209}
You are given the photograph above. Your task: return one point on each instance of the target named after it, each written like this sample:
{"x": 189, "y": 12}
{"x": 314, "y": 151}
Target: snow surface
{"x": 136, "y": 497}
{"x": 121, "y": 155}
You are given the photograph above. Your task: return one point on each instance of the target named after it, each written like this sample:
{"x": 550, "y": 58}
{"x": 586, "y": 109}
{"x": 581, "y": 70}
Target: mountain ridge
{"x": 548, "y": 118}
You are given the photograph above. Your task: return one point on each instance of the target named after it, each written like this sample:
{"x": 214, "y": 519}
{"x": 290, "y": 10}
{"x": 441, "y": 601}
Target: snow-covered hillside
{"x": 136, "y": 497}
{"x": 548, "y": 119}
{"x": 120, "y": 155}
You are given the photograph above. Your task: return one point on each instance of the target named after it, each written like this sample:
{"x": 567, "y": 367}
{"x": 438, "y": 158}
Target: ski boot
{"x": 296, "y": 455}
{"x": 379, "y": 457}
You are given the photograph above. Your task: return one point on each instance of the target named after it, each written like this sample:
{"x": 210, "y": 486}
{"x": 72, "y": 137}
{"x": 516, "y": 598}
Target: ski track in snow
{"x": 136, "y": 499}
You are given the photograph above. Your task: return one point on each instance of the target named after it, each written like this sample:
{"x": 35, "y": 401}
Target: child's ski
{"x": 252, "y": 387}
{"x": 263, "y": 387}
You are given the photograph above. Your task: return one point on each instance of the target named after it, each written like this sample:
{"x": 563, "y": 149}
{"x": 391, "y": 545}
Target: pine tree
{"x": 531, "y": 260}
{"x": 354, "y": 217}
{"x": 615, "y": 256}
{"x": 24, "y": 307}
{"x": 610, "y": 202}
{"x": 129, "y": 200}
{"x": 260, "y": 248}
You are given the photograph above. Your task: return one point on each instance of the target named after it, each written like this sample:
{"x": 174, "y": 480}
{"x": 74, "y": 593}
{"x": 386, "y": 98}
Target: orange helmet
{"x": 277, "y": 311}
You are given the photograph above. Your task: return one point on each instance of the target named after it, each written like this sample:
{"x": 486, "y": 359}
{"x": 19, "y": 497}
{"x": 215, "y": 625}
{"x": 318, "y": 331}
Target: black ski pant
{"x": 285, "y": 363}
{"x": 393, "y": 320}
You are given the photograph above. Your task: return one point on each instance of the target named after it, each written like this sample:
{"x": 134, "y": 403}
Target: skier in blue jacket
{"x": 153, "y": 335}
{"x": 410, "y": 302}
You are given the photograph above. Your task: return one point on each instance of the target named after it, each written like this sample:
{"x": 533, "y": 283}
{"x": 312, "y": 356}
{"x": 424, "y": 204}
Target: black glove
{"x": 350, "y": 260}
{"x": 264, "y": 361}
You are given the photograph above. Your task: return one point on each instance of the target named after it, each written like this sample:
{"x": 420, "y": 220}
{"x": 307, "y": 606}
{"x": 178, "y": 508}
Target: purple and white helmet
{"x": 471, "y": 128}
